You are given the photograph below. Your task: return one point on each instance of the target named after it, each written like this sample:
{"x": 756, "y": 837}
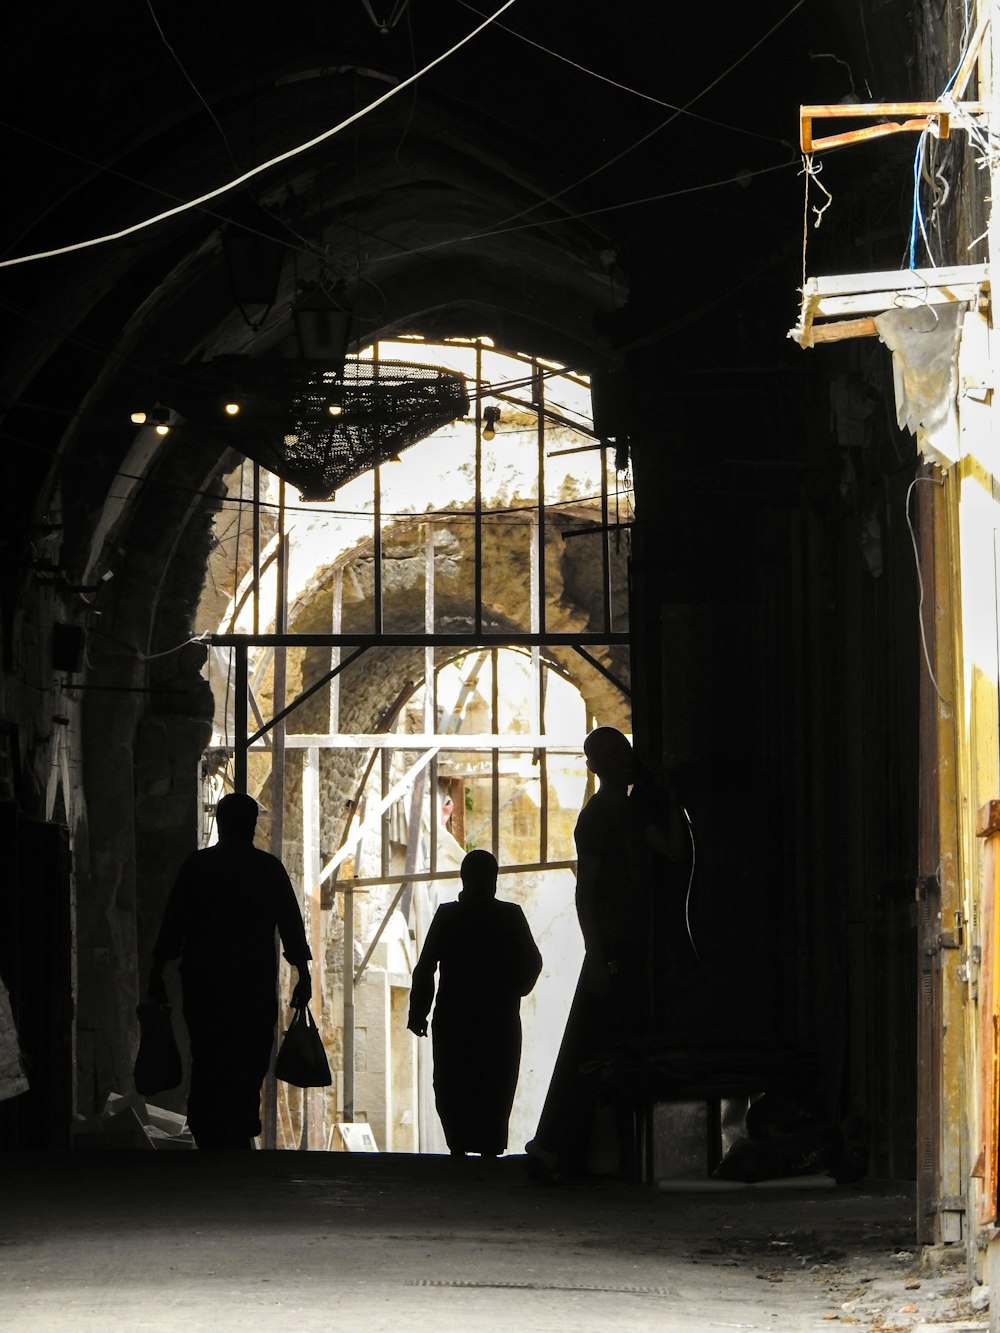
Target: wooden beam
{"x": 839, "y": 331}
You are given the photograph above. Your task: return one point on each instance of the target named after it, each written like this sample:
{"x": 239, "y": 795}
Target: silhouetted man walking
{"x": 224, "y": 909}
{"x": 487, "y": 960}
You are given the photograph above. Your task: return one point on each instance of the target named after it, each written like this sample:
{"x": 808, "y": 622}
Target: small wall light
{"x": 138, "y": 418}
{"x": 160, "y": 419}
{"x": 491, "y": 415}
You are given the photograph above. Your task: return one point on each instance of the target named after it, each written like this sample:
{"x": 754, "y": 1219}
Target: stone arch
{"x": 383, "y": 677}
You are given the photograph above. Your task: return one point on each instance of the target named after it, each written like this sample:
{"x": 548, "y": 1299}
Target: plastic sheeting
{"x": 924, "y": 341}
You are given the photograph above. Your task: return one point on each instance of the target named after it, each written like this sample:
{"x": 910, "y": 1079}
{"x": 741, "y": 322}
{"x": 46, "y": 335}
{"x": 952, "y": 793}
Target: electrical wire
{"x": 516, "y": 513}
{"x": 151, "y": 657}
{"x": 503, "y": 229}
{"x": 260, "y": 168}
{"x": 306, "y": 247}
{"x": 917, "y": 218}
{"x": 690, "y": 884}
{"x": 194, "y": 87}
{"x": 663, "y": 125}
{"x": 976, "y": 136}
{"x": 104, "y": 350}
{"x": 920, "y": 582}
{"x": 103, "y": 167}
{"x": 623, "y": 87}
{"x": 413, "y": 103}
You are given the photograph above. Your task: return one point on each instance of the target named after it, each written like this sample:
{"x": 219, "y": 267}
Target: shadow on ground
{"x": 191, "y": 1241}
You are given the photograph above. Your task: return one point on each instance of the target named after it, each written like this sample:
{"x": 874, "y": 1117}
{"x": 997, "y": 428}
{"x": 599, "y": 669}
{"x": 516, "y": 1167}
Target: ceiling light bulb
{"x": 159, "y": 419}
{"x": 138, "y": 418}
{"x": 491, "y": 415}
{"x": 232, "y": 409}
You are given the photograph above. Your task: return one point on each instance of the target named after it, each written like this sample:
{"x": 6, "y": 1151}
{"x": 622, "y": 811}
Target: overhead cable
{"x": 262, "y": 167}
{"x": 624, "y": 87}
{"x": 663, "y": 124}
{"x": 503, "y": 229}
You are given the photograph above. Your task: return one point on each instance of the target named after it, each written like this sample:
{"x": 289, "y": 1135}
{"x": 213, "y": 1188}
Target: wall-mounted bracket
{"x": 934, "y": 116}
{"x": 845, "y": 305}
{"x": 919, "y": 116}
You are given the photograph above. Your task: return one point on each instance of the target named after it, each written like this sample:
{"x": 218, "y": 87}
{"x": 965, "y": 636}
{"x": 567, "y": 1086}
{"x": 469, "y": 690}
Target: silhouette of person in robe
{"x": 617, "y": 833}
{"x": 220, "y": 920}
{"x": 486, "y": 958}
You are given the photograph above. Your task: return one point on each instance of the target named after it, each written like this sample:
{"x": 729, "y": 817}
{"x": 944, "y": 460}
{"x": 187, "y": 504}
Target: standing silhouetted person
{"x": 221, "y": 917}
{"x": 617, "y": 832}
{"x": 487, "y": 960}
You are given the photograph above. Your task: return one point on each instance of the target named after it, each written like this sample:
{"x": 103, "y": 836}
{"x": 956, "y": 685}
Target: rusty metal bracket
{"x": 933, "y": 116}
{"x": 920, "y": 116}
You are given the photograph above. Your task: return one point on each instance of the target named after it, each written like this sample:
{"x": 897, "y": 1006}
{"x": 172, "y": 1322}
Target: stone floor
{"x": 186, "y": 1241}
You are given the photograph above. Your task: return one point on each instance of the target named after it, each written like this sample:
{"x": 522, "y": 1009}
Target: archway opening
{"x": 421, "y": 657}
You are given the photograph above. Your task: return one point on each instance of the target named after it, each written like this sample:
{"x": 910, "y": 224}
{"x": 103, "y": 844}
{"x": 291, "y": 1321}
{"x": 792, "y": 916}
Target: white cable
{"x": 503, "y": 228}
{"x": 690, "y": 885}
{"x": 195, "y": 638}
{"x": 194, "y": 87}
{"x": 920, "y": 583}
{"x": 623, "y": 87}
{"x": 255, "y": 171}
{"x": 663, "y": 124}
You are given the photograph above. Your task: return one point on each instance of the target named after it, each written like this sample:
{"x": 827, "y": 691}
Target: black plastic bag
{"x": 301, "y": 1058}
{"x": 158, "y": 1061}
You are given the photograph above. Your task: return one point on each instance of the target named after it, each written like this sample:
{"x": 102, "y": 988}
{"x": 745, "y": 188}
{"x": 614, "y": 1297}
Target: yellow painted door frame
{"x": 941, "y": 1123}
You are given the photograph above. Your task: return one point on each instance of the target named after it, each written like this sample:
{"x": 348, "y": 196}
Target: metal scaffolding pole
{"x": 537, "y": 598}
{"x": 336, "y": 622}
{"x": 495, "y": 755}
{"x": 538, "y": 401}
{"x": 506, "y": 639}
{"x": 241, "y": 693}
{"x": 430, "y": 685}
{"x": 377, "y": 500}
{"x": 478, "y": 561}
{"x": 605, "y": 543}
{"x": 256, "y": 548}
{"x": 349, "y": 997}
{"x": 277, "y": 793}
{"x": 377, "y": 550}
{"x": 543, "y": 770}
{"x": 313, "y": 1099}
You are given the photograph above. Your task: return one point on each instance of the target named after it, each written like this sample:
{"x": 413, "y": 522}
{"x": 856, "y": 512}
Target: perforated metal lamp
{"x": 285, "y": 422}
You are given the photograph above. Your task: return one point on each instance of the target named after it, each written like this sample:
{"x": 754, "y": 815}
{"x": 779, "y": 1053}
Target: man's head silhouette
{"x": 236, "y": 817}
{"x": 479, "y": 874}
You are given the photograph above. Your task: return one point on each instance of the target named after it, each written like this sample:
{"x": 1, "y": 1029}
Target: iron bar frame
{"x": 436, "y": 738}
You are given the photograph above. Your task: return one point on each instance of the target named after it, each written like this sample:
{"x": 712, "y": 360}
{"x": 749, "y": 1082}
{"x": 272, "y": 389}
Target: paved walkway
{"x": 178, "y": 1242}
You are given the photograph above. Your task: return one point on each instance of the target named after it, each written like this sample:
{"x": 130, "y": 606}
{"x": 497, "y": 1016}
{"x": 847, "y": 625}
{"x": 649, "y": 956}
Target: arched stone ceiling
{"x": 497, "y": 195}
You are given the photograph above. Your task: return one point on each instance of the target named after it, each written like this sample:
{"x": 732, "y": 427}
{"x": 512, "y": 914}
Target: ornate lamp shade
{"x": 314, "y": 426}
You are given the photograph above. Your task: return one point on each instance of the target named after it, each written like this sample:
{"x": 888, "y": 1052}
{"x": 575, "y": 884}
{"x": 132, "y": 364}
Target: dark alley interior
{"x": 207, "y": 203}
